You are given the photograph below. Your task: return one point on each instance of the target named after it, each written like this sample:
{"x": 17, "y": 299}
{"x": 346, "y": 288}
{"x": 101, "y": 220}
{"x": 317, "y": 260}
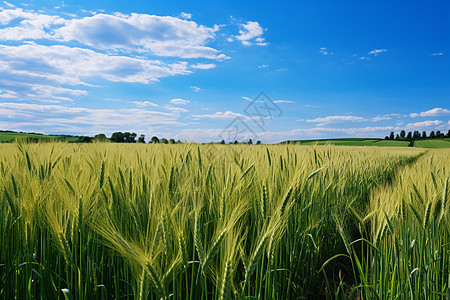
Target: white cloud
{"x": 179, "y": 101}
{"x": 437, "y": 54}
{"x": 248, "y": 98}
{"x": 176, "y": 109}
{"x": 196, "y": 88}
{"x": 435, "y": 112}
{"x": 222, "y": 115}
{"x": 283, "y": 101}
{"x": 203, "y": 66}
{"x": 325, "y": 51}
{"x": 263, "y": 66}
{"x": 376, "y": 52}
{"x": 336, "y": 119}
{"x": 161, "y": 35}
{"x": 144, "y": 103}
{"x": 8, "y": 94}
{"x": 250, "y": 34}
{"x": 56, "y": 65}
{"x": 186, "y": 15}
{"x": 380, "y": 118}
{"x": 420, "y": 125}
{"x": 80, "y": 120}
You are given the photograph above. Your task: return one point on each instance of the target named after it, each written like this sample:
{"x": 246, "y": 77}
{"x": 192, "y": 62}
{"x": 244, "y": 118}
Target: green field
{"x": 12, "y": 136}
{"x": 188, "y": 221}
{"x": 431, "y": 143}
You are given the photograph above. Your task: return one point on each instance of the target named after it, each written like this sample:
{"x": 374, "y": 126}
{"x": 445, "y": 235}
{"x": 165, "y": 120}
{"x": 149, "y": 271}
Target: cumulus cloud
{"x": 161, "y": 35}
{"x": 250, "y": 34}
{"x": 437, "y": 54}
{"x": 376, "y": 52}
{"x": 50, "y": 65}
{"x": 435, "y": 112}
{"x": 176, "y": 109}
{"x": 179, "y": 101}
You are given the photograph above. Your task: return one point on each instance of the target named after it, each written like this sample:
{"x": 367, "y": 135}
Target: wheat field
{"x": 188, "y": 221}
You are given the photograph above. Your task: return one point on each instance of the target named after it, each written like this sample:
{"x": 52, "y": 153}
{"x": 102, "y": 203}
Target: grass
{"x": 434, "y": 143}
{"x": 187, "y": 221}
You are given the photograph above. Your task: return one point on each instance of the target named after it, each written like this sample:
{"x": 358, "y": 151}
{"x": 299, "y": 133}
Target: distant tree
{"x": 100, "y": 137}
{"x": 141, "y": 138}
{"x": 222, "y": 142}
{"x": 416, "y": 135}
{"x": 154, "y": 140}
{"x": 259, "y": 142}
{"x": 84, "y": 139}
{"x": 424, "y": 134}
{"x": 117, "y": 137}
{"x": 438, "y": 134}
{"x": 448, "y": 134}
{"x": 409, "y": 136}
{"x": 432, "y": 136}
{"x": 129, "y": 137}
{"x": 391, "y": 136}
{"x": 250, "y": 141}
{"x": 172, "y": 141}
{"x": 235, "y": 142}
{"x": 179, "y": 142}
{"x": 164, "y": 141}
{"x": 397, "y": 137}
{"x": 402, "y": 134}
{"x": 386, "y": 138}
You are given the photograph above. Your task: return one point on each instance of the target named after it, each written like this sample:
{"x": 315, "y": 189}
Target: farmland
{"x": 188, "y": 221}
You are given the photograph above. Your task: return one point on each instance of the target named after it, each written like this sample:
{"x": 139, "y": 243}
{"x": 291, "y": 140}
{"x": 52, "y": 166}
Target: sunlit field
{"x": 188, "y": 221}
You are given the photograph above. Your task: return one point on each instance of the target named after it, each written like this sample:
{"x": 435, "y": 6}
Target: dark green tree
{"x": 164, "y": 141}
{"x": 402, "y": 134}
{"x": 448, "y": 134}
{"x": 250, "y": 142}
{"x": 438, "y": 134}
{"x": 258, "y": 143}
{"x": 424, "y": 134}
{"x": 391, "y": 136}
{"x": 416, "y": 135}
{"x": 172, "y": 141}
{"x": 409, "y": 136}
{"x": 154, "y": 140}
{"x": 100, "y": 137}
{"x": 117, "y": 137}
{"x": 141, "y": 138}
{"x": 222, "y": 142}
{"x": 432, "y": 136}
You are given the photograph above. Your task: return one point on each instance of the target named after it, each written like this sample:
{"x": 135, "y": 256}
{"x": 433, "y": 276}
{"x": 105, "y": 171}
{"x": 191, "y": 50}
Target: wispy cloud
{"x": 437, "y": 54}
{"x": 186, "y": 15}
{"x": 435, "y": 112}
{"x": 283, "y": 101}
{"x": 336, "y": 119}
{"x": 203, "y": 66}
{"x": 376, "y": 52}
{"x": 180, "y": 101}
{"x": 221, "y": 115}
{"x": 325, "y": 51}
{"x": 424, "y": 124}
{"x": 195, "y": 88}
{"x": 144, "y": 103}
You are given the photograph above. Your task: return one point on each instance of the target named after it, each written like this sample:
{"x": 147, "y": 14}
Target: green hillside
{"x": 429, "y": 143}
{"x": 6, "y": 137}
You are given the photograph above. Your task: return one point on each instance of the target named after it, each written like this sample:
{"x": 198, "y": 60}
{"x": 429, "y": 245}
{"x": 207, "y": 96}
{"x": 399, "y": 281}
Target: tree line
{"x": 410, "y": 136}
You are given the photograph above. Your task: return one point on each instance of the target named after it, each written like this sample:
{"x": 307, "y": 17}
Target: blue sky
{"x": 191, "y": 70}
